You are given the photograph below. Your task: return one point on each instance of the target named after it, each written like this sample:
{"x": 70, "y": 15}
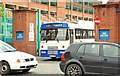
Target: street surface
{"x": 46, "y": 67}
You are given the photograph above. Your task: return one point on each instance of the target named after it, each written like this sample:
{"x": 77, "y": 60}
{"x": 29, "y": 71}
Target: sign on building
{"x": 104, "y": 34}
{"x": 19, "y": 35}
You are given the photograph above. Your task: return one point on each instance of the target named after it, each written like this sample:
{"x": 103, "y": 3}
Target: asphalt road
{"x": 46, "y": 67}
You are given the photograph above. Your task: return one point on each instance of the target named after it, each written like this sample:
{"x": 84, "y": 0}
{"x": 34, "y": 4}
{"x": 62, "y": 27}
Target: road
{"x": 47, "y": 67}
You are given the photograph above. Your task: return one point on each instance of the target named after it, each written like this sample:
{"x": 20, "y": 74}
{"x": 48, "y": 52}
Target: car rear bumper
{"x": 62, "y": 66}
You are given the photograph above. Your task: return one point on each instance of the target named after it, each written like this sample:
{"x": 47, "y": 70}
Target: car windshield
{"x": 53, "y": 34}
{"x": 6, "y": 47}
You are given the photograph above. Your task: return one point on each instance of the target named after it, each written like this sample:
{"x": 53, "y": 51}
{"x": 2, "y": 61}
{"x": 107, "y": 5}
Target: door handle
{"x": 81, "y": 57}
{"x": 104, "y": 59}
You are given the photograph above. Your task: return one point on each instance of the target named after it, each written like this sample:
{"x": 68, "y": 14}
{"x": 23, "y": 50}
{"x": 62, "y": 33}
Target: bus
{"x": 57, "y": 36}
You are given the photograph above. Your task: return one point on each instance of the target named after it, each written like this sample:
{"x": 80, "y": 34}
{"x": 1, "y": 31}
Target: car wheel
{"x": 5, "y": 68}
{"x": 25, "y": 70}
{"x": 73, "y": 70}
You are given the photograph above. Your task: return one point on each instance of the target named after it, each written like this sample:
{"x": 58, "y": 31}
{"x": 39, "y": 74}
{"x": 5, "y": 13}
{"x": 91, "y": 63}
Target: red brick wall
{"x": 21, "y": 20}
{"x": 108, "y": 20}
{"x": 118, "y": 29}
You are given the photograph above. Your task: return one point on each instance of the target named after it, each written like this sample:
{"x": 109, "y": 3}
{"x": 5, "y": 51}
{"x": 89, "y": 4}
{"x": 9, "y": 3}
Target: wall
{"x": 109, "y": 20}
{"x": 21, "y": 23}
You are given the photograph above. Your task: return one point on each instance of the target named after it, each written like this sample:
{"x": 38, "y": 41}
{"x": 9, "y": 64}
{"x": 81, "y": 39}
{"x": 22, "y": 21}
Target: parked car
{"x": 13, "y": 60}
{"x": 93, "y": 58}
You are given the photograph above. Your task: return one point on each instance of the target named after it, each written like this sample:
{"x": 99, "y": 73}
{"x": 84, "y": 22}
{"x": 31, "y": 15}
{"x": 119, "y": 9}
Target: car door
{"x": 110, "y": 61}
{"x": 90, "y": 57}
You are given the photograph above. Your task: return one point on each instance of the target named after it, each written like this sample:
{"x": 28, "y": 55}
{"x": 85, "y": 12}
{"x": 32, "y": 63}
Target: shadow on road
{"x": 31, "y": 74}
{"x": 49, "y": 59}
{"x": 18, "y": 73}
{"x": 52, "y": 59}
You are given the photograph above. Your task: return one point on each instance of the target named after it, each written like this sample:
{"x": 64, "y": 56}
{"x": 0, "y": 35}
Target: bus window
{"x": 67, "y": 35}
{"x": 85, "y": 34}
{"x": 77, "y": 33}
{"x": 53, "y": 34}
{"x": 71, "y": 36}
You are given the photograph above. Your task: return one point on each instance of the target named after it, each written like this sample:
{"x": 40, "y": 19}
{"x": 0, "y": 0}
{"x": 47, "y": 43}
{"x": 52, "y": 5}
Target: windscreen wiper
{"x": 57, "y": 40}
{"x": 10, "y": 50}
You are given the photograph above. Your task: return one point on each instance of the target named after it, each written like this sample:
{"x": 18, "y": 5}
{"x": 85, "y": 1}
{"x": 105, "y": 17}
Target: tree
{"x": 2, "y": 10}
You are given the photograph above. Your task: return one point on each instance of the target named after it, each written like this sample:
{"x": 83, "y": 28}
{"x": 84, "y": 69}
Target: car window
{"x": 2, "y": 48}
{"x": 6, "y": 47}
{"x": 81, "y": 49}
{"x": 92, "y": 49}
{"x": 110, "y": 51}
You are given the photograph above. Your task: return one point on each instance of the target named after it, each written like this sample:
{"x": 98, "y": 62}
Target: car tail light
{"x": 63, "y": 57}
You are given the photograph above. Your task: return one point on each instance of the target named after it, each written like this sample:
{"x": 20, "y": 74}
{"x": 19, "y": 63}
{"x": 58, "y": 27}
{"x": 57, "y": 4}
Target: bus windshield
{"x": 54, "y": 34}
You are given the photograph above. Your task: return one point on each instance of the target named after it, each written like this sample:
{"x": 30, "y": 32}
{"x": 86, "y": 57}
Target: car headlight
{"x": 18, "y": 60}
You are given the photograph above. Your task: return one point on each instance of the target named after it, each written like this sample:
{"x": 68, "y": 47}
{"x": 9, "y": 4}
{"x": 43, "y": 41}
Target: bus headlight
{"x": 43, "y": 52}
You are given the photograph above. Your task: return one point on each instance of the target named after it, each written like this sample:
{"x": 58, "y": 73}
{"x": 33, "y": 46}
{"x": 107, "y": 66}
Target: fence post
{"x": 38, "y": 30}
{"x": 4, "y": 26}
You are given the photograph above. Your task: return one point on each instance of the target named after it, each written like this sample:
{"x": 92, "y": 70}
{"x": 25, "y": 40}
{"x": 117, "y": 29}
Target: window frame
{"x": 110, "y": 46}
{"x": 79, "y": 34}
{"x": 83, "y": 50}
{"x": 86, "y": 54}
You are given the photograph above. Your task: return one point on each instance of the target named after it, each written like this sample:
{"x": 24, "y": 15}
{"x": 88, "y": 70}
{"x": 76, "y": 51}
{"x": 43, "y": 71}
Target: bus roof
{"x": 81, "y": 24}
{"x": 86, "y": 24}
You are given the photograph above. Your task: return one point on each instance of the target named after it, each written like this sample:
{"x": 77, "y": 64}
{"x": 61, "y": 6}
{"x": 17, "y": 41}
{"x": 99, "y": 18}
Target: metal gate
{"x": 6, "y": 25}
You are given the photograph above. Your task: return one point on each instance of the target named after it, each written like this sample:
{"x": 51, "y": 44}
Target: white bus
{"x": 57, "y": 36}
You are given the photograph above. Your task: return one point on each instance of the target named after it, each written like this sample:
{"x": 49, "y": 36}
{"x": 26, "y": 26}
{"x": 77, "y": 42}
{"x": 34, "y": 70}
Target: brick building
{"x": 109, "y": 27}
{"x": 57, "y": 11}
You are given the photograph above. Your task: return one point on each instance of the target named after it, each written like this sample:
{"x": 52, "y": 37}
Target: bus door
{"x": 71, "y": 36}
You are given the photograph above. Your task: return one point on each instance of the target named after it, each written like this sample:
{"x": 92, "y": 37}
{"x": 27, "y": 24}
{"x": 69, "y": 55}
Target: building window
{"x": 53, "y": 14}
{"x": 44, "y": 2}
{"x": 67, "y": 16}
{"x": 80, "y": 18}
{"x": 20, "y": 7}
{"x": 74, "y": 17}
{"x": 86, "y": 19}
{"x": 36, "y": 1}
{"x": 74, "y": 8}
{"x": 86, "y": 11}
{"x": 80, "y": 9}
{"x": 90, "y": 19}
{"x": 80, "y": 2}
{"x": 86, "y": 3}
{"x": 53, "y": 3}
{"x": 44, "y": 12}
{"x": 68, "y": 6}
{"x": 91, "y": 4}
{"x": 90, "y": 11}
